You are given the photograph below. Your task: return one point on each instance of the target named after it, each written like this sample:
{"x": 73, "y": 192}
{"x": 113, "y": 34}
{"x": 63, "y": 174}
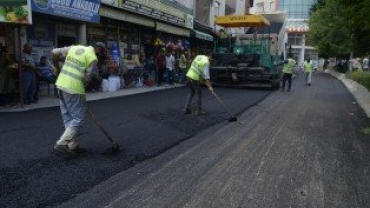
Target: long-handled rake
{"x": 115, "y": 146}
{"x": 232, "y": 117}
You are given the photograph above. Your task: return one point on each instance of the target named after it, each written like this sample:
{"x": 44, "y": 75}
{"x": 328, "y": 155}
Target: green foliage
{"x": 330, "y": 31}
{"x": 366, "y": 130}
{"x": 362, "y": 78}
{"x": 339, "y": 27}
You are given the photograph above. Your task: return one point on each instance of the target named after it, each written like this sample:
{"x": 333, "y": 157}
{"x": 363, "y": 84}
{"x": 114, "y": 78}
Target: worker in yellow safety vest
{"x": 308, "y": 68}
{"x": 197, "y": 73}
{"x": 288, "y": 69}
{"x": 76, "y": 72}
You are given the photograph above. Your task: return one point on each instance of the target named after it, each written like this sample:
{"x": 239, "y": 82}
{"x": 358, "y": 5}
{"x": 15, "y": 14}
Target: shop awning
{"x": 173, "y": 30}
{"x": 124, "y": 16}
{"x": 249, "y": 20}
{"x": 203, "y": 36}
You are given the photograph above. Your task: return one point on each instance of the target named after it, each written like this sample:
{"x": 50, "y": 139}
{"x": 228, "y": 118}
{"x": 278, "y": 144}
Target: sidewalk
{"x": 359, "y": 92}
{"x": 51, "y": 101}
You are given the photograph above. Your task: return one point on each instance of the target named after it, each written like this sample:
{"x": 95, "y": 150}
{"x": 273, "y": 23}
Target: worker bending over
{"x": 75, "y": 74}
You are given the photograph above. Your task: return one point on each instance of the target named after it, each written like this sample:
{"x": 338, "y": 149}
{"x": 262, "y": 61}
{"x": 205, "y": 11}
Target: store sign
{"x": 159, "y": 11}
{"x": 85, "y": 10}
{"x": 42, "y": 38}
{"x": 16, "y": 11}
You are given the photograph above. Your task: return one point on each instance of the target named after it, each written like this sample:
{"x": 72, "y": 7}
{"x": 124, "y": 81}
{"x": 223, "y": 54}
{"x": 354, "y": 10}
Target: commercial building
{"x": 292, "y": 37}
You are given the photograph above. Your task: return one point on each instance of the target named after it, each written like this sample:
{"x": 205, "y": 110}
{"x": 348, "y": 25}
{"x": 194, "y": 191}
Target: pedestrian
{"x": 75, "y": 74}
{"x": 7, "y": 85}
{"x": 160, "y": 65}
{"x": 288, "y": 68}
{"x": 45, "y": 71}
{"x": 182, "y": 67}
{"x": 308, "y": 66}
{"x": 365, "y": 64}
{"x": 170, "y": 66}
{"x": 197, "y": 73}
{"x": 29, "y": 77}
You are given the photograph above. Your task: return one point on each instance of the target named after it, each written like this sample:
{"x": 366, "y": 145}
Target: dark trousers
{"x": 160, "y": 74}
{"x": 169, "y": 76}
{"x": 29, "y": 86}
{"x": 195, "y": 88}
{"x": 287, "y": 77}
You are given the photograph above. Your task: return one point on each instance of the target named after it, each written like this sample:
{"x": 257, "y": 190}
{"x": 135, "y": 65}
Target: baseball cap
{"x": 100, "y": 44}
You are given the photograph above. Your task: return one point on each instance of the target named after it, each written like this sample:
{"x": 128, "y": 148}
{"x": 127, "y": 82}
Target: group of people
{"x": 289, "y": 69}
{"x": 165, "y": 65}
{"x": 32, "y": 74}
{"x": 77, "y": 72}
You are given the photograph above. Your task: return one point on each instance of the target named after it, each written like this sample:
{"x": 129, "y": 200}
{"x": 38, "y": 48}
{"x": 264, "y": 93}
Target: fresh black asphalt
{"x": 303, "y": 149}
{"x": 144, "y": 124}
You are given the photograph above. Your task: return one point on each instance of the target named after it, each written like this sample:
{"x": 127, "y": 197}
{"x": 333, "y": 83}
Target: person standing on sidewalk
{"x": 160, "y": 62}
{"x": 198, "y": 71}
{"x": 29, "y": 76}
{"x": 365, "y": 64}
{"x": 170, "y": 66}
{"x": 182, "y": 67}
{"x": 288, "y": 69}
{"x": 75, "y": 74}
{"x": 308, "y": 66}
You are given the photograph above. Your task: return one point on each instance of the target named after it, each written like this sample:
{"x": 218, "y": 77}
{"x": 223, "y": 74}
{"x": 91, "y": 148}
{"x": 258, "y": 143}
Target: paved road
{"x": 298, "y": 149}
{"x": 145, "y": 124}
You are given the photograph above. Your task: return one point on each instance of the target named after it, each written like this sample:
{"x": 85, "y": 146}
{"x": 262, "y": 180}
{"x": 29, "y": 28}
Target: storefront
{"x": 52, "y": 26}
{"x": 131, "y": 35}
{"x": 141, "y": 29}
{"x": 13, "y": 16}
{"x": 202, "y": 39}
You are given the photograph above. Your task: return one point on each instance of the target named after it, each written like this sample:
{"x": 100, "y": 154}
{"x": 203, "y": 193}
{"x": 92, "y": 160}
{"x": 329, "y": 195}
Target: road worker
{"x": 289, "y": 66}
{"x": 308, "y": 68}
{"x": 76, "y": 72}
{"x": 197, "y": 73}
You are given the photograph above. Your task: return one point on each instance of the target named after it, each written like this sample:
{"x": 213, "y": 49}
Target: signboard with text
{"x": 16, "y": 11}
{"x": 155, "y": 10}
{"x": 159, "y": 11}
{"x": 84, "y": 10}
{"x": 42, "y": 38}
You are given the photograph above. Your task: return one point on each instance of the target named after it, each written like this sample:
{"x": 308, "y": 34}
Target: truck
{"x": 249, "y": 61}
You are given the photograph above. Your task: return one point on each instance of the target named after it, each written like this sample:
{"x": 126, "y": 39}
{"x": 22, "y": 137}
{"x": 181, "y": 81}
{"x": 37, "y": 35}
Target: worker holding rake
{"x": 199, "y": 71}
{"x": 75, "y": 74}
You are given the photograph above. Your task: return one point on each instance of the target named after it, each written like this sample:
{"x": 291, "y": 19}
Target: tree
{"x": 330, "y": 29}
{"x": 339, "y": 27}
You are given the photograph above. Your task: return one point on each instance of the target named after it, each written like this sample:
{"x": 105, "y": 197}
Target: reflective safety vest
{"x": 196, "y": 70}
{"x": 308, "y": 66}
{"x": 72, "y": 74}
{"x": 289, "y": 67}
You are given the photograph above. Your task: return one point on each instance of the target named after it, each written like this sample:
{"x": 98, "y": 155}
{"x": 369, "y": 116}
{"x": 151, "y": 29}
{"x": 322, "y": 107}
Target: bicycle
{"x": 138, "y": 77}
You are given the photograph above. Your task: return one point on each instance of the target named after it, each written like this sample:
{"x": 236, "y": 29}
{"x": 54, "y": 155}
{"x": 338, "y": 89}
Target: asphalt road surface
{"x": 144, "y": 124}
{"x": 299, "y": 149}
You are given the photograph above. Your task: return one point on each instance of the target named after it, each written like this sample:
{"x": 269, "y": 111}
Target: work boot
{"x": 187, "y": 111}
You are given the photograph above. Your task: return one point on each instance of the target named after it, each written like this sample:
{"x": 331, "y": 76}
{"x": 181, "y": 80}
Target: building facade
{"x": 292, "y": 37}
{"x": 296, "y": 28}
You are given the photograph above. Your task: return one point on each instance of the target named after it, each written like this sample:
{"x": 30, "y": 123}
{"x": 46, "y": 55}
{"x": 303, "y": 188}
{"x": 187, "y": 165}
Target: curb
{"x": 359, "y": 92}
{"x": 54, "y": 101}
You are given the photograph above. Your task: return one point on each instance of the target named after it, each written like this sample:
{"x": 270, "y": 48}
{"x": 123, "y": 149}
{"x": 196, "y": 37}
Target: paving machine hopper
{"x": 248, "y": 62}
